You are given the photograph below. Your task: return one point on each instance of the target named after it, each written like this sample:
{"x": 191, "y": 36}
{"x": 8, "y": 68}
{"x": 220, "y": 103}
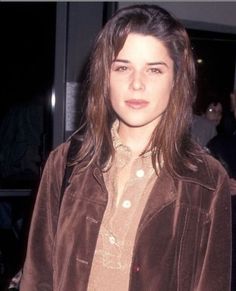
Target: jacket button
{"x": 136, "y": 269}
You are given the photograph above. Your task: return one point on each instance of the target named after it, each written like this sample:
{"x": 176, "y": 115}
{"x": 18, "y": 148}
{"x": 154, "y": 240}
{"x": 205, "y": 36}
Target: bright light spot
{"x": 53, "y": 99}
{"x": 199, "y": 61}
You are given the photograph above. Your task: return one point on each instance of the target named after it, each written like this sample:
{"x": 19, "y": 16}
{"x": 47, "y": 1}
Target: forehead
{"x": 138, "y": 45}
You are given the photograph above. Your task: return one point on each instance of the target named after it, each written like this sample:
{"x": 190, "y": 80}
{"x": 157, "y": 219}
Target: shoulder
{"x": 209, "y": 173}
{"x": 60, "y": 152}
{"x": 67, "y": 151}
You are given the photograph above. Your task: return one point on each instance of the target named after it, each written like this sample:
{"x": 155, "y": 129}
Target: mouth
{"x": 136, "y": 103}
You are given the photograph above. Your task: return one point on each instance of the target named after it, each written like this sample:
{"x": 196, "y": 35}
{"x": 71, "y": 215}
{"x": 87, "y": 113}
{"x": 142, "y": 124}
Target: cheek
{"x": 164, "y": 96}
{"x": 114, "y": 97}
{"x": 116, "y": 91}
{"x": 163, "y": 90}
{"x": 164, "y": 102}
{"x": 113, "y": 94}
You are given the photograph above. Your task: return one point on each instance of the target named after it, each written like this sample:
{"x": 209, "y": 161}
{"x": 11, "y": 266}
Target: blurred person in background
{"x": 204, "y": 126}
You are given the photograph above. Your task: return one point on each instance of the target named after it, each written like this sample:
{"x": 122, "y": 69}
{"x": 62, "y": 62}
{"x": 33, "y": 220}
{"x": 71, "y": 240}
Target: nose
{"x": 137, "y": 81}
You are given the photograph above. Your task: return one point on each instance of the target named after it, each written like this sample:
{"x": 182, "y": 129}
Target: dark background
{"x": 216, "y": 73}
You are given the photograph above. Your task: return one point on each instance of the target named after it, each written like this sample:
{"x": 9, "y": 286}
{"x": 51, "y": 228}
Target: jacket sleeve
{"x": 216, "y": 270}
{"x": 38, "y": 266}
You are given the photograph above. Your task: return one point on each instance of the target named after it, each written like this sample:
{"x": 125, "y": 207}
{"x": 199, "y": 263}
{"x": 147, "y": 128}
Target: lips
{"x": 136, "y": 103}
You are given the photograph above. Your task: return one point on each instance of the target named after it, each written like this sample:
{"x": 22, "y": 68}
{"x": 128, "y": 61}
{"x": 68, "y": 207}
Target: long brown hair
{"x": 170, "y": 140}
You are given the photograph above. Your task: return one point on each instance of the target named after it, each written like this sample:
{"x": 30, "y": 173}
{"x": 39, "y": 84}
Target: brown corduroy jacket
{"x": 182, "y": 245}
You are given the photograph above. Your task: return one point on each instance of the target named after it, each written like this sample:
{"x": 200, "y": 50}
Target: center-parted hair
{"x": 170, "y": 141}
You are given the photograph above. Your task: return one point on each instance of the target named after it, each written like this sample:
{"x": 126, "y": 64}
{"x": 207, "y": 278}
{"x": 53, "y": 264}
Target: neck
{"x": 136, "y": 138}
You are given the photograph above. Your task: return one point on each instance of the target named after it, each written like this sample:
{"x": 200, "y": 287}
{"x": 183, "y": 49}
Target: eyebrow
{"x": 121, "y": 61}
{"x": 149, "y": 64}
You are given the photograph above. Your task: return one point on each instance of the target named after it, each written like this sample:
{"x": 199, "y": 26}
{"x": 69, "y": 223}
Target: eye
{"x": 120, "y": 68}
{"x": 154, "y": 70}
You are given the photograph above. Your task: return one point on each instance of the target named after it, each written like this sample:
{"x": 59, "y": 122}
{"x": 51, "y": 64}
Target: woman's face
{"x": 141, "y": 79}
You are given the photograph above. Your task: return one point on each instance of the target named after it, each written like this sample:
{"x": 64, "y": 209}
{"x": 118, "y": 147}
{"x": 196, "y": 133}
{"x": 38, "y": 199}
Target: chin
{"x": 136, "y": 124}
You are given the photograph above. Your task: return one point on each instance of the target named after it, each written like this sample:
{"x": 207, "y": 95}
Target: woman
{"x": 145, "y": 209}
